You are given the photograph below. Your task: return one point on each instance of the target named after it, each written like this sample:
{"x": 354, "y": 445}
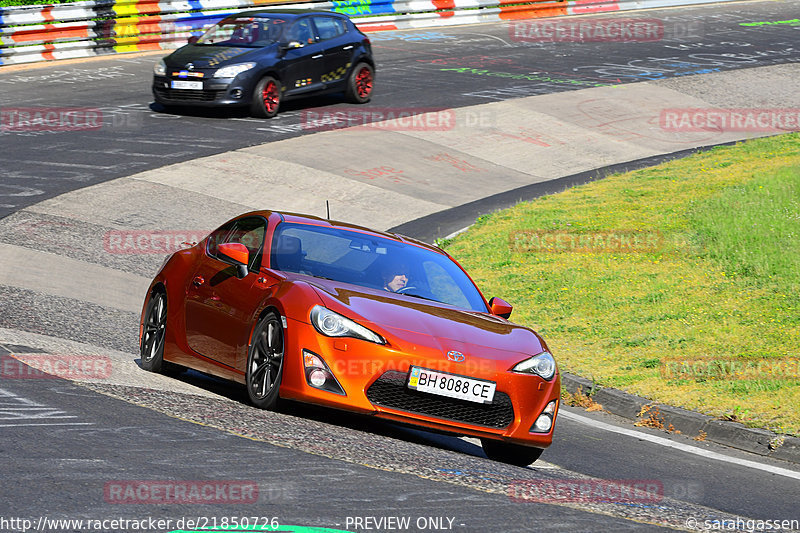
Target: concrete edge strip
{"x": 55, "y": 274}
{"x": 456, "y": 219}
{"x": 690, "y": 423}
{"x": 33, "y": 349}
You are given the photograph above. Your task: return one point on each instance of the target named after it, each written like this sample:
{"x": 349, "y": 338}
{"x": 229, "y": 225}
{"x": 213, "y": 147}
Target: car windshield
{"x": 371, "y": 261}
{"x": 250, "y": 32}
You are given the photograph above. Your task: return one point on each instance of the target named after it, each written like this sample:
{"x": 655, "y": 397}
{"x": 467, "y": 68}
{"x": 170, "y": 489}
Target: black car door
{"x": 304, "y": 61}
{"x": 219, "y": 305}
{"x": 339, "y": 45}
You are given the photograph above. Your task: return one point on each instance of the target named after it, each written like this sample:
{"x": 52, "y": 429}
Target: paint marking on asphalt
{"x": 49, "y": 424}
{"x": 67, "y": 165}
{"x": 18, "y": 408}
{"x": 679, "y": 446}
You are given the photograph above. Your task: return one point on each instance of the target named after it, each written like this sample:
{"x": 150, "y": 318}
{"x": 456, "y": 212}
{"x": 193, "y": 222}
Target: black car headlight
{"x": 333, "y": 324}
{"x": 231, "y": 71}
{"x": 160, "y": 68}
{"x": 541, "y": 365}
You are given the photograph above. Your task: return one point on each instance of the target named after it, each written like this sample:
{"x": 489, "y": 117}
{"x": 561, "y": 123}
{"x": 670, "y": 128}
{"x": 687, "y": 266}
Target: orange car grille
{"x": 390, "y": 391}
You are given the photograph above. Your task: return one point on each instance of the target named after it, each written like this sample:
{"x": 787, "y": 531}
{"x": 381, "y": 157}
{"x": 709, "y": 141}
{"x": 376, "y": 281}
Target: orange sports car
{"x": 308, "y": 309}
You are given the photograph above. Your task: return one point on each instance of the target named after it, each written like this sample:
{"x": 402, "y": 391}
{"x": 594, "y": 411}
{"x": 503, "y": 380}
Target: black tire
{"x": 360, "y": 83}
{"x": 265, "y": 363}
{"x": 266, "y": 98}
{"x": 151, "y": 350}
{"x": 512, "y": 454}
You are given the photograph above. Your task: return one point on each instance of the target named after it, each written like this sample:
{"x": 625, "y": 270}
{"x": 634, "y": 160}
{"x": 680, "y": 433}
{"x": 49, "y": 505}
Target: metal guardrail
{"x": 98, "y": 27}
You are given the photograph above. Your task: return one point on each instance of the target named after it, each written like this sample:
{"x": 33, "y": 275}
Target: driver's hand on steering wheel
{"x": 398, "y": 282}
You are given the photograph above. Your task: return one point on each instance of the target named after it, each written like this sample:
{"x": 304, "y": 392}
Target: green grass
{"x": 752, "y": 228}
{"x": 722, "y": 284}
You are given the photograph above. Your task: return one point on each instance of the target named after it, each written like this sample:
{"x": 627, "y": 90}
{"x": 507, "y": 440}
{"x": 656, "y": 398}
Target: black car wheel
{"x": 359, "y": 85}
{"x": 512, "y": 454}
{"x": 155, "y": 328}
{"x": 266, "y": 98}
{"x": 265, "y": 362}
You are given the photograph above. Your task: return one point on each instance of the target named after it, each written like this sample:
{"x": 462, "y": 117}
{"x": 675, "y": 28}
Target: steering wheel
{"x": 405, "y": 289}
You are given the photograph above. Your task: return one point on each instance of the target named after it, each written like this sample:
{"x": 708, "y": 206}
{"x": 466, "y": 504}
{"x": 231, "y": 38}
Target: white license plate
{"x": 451, "y": 385}
{"x": 183, "y": 84}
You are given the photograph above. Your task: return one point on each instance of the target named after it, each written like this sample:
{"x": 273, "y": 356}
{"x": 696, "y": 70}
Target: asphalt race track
{"x": 416, "y": 70}
{"x": 67, "y": 446}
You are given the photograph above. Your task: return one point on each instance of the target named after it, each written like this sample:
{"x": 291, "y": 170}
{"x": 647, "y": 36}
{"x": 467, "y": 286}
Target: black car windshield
{"x": 371, "y": 261}
{"x": 250, "y": 32}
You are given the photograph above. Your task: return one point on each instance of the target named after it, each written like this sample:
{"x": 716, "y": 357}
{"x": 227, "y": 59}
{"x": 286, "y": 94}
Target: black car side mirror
{"x": 193, "y": 39}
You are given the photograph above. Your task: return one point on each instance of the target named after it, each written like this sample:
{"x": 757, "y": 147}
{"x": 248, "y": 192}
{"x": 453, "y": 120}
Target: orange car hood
{"x": 424, "y": 322}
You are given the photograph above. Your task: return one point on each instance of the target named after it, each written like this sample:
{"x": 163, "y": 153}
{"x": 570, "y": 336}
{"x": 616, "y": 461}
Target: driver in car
{"x": 395, "y": 279}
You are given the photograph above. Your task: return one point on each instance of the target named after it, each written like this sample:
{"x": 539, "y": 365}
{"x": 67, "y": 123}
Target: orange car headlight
{"x": 333, "y": 324}
{"x": 542, "y": 365}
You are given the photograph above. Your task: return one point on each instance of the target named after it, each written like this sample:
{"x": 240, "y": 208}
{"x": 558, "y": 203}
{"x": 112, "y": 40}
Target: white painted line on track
{"x": 53, "y": 424}
{"x": 68, "y": 165}
{"x": 679, "y": 446}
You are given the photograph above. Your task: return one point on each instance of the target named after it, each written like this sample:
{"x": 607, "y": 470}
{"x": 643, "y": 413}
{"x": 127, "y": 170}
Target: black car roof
{"x": 283, "y": 12}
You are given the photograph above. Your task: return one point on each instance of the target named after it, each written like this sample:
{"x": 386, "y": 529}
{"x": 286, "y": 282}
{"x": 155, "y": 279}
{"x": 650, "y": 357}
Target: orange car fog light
{"x": 318, "y": 375}
{"x": 544, "y": 422}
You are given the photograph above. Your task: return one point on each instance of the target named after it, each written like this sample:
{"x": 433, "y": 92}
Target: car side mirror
{"x": 193, "y": 39}
{"x": 237, "y": 254}
{"x": 500, "y": 307}
{"x": 291, "y": 45}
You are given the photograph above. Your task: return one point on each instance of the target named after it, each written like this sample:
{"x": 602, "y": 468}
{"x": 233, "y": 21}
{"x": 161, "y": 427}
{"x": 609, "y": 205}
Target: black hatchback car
{"x": 260, "y": 58}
